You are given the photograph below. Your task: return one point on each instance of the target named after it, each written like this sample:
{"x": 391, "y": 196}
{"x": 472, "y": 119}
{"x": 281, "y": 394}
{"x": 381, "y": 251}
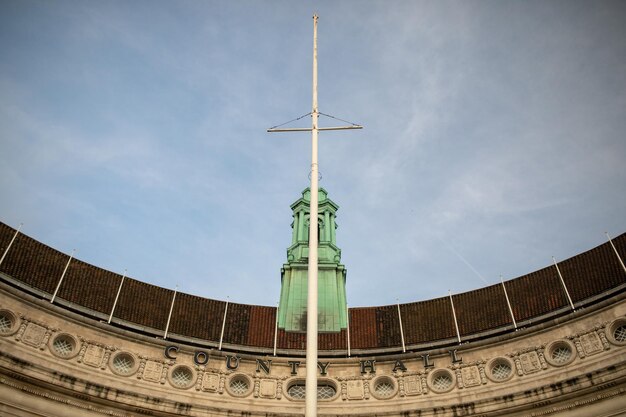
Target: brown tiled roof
{"x": 426, "y": 321}
{"x": 141, "y": 305}
{"x": 536, "y": 294}
{"x": 594, "y": 272}
{"x": 197, "y": 317}
{"x": 32, "y": 262}
{"x": 481, "y": 310}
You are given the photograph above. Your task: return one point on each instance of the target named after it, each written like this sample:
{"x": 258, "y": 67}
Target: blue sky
{"x": 135, "y": 133}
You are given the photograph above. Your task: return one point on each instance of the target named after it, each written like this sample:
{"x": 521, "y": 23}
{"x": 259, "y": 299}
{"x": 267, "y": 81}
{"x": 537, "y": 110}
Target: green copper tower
{"x": 292, "y": 310}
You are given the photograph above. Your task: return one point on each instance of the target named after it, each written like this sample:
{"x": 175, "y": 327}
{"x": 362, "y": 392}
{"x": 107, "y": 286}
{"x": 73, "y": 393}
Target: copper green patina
{"x": 331, "y": 274}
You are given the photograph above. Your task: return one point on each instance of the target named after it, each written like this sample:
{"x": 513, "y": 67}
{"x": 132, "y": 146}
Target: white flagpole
{"x": 401, "y": 330}
{"x": 508, "y": 303}
{"x": 62, "y": 276}
{"x": 456, "y": 324}
{"x": 10, "y": 244}
{"x": 311, "y": 322}
{"x": 223, "y": 323}
{"x": 117, "y": 296}
{"x": 276, "y": 328}
{"x": 563, "y": 283}
{"x": 169, "y": 316}
{"x": 348, "y": 327}
{"x": 312, "y": 325}
{"x": 616, "y": 252}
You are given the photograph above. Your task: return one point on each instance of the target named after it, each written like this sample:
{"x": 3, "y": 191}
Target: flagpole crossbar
{"x": 309, "y": 129}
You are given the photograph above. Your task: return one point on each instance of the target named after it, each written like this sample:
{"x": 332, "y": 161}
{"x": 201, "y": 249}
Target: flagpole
{"x": 312, "y": 297}
{"x": 311, "y": 327}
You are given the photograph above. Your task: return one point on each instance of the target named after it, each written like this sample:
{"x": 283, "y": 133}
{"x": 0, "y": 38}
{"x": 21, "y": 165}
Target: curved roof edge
{"x": 541, "y": 295}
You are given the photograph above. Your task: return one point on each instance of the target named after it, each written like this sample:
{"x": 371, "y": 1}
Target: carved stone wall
{"x": 55, "y": 362}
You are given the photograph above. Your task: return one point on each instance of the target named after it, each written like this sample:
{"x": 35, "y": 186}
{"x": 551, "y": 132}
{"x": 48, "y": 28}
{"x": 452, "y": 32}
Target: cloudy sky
{"x": 135, "y": 133}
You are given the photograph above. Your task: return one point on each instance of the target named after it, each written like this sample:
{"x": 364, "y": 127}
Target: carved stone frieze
{"x": 154, "y": 370}
{"x": 94, "y": 354}
{"x": 267, "y": 388}
{"x": 529, "y": 360}
{"x": 590, "y": 344}
{"x": 355, "y": 388}
{"x": 211, "y": 380}
{"x": 34, "y": 333}
{"x": 471, "y": 376}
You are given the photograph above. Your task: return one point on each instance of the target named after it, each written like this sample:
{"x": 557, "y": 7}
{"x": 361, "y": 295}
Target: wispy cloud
{"x": 141, "y": 129}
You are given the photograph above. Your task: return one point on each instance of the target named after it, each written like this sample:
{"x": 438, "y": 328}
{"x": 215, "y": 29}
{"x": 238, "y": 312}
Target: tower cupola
{"x": 331, "y": 274}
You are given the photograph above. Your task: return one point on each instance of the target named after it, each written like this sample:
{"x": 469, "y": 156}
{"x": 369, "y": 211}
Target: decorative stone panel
{"x": 34, "y": 333}
{"x": 211, "y": 381}
{"x": 352, "y": 388}
{"x": 410, "y": 384}
{"x": 267, "y": 388}
{"x": 591, "y": 343}
{"x": 95, "y": 354}
{"x": 471, "y": 376}
{"x": 153, "y": 370}
{"x": 530, "y": 360}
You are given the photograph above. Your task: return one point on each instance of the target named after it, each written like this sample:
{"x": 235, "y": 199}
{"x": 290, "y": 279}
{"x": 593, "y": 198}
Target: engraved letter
{"x": 232, "y": 362}
{"x": 171, "y": 351}
{"x": 368, "y": 365}
{"x": 427, "y": 362}
{"x": 454, "y": 357}
{"x": 294, "y": 367}
{"x": 200, "y": 357}
{"x": 265, "y": 365}
{"x": 323, "y": 367}
{"x": 399, "y": 365}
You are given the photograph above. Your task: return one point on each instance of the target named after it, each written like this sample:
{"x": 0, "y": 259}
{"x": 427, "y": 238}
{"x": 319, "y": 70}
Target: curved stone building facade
{"x": 77, "y": 340}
